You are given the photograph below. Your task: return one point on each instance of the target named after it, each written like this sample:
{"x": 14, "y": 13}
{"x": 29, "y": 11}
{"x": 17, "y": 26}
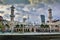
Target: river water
{"x": 20, "y": 37}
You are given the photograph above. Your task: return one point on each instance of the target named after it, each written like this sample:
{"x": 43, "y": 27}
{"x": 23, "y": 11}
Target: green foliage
{"x": 44, "y": 26}
{"x": 21, "y": 25}
{"x": 1, "y": 26}
{"x": 7, "y": 25}
{"x": 17, "y": 25}
{"x": 47, "y": 26}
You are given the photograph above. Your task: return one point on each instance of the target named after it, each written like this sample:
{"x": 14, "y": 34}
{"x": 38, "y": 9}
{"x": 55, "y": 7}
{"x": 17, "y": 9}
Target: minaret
{"x": 50, "y": 18}
{"x": 12, "y": 13}
{"x": 50, "y": 15}
{"x": 12, "y": 19}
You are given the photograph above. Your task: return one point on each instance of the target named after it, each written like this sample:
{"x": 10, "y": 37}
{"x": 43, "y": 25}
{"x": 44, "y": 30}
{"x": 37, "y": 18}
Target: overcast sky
{"x": 23, "y": 8}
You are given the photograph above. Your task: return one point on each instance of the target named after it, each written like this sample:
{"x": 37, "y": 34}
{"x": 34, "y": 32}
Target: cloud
{"x": 6, "y": 17}
{"x": 34, "y": 12}
{"x": 26, "y": 9}
{"x": 1, "y": 12}
{"x": 16, "y": 1}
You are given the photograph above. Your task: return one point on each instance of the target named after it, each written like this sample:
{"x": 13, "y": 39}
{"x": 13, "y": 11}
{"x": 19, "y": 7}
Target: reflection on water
{"x": 25, "y": 38}
{"x": 54, "y": 39}
{"x": 48, "y": 39}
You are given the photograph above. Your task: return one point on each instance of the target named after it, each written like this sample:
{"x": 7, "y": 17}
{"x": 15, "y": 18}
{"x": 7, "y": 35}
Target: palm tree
{"x": 46, "y": 26}
{"x": 21, "y": 25}
{"x": 42, "y": 25}
{"x": 17, "y": 25}
{"x": 7, "y": 25}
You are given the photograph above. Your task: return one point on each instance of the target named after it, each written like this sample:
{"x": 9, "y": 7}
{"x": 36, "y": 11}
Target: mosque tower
{"x": 50, "y": 15}
{"x": 12, "y": 25}
{"x": 12, "y": 13}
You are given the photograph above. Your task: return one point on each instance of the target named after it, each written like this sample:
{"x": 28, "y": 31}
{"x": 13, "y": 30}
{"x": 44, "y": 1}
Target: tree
{"x": 42, "y": 26}
{"x": 46, "y": 26}
{"x": 17, "y": 25}
{"x": 21, "y": 25}
{"x": 1, "y": 26}
{"x": 7, "y": 25}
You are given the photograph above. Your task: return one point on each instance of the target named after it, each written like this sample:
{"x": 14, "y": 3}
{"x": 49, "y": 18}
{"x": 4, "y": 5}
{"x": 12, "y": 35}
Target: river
{"x": 28, "y": 37}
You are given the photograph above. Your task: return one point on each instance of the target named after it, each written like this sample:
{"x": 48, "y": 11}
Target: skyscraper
{"x": 42, "y": 19}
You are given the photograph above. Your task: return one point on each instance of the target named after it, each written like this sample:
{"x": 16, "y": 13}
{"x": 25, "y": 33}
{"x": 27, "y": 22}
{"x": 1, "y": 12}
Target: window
{"x": 56, "y": 26}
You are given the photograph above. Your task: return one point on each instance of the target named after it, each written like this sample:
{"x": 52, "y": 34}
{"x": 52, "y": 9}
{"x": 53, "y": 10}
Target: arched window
{"x": 28, "y": 30}
{"x": 32, "y": 29}
{"x": 17, "y": 26}
{"x": 56, "y": 26}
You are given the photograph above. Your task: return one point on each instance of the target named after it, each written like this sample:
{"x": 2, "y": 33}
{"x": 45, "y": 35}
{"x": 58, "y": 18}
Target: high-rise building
{"x": 42, "y": 19}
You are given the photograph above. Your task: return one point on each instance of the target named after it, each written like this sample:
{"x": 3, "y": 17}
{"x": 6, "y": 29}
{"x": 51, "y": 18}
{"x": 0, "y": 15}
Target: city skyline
{"x": 33, "y": 11}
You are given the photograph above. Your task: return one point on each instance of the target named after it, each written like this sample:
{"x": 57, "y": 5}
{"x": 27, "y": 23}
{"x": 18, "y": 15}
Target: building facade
{"x": 42, "y": 19}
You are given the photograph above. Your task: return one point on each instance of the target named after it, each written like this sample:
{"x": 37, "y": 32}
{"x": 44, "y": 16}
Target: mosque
{"x": 15, "y": 26}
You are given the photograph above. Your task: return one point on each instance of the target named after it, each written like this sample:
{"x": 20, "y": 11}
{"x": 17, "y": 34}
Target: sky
{"x": 25, "y": 8}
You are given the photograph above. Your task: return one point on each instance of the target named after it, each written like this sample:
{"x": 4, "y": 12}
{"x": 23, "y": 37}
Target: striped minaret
{"x": 12, "y": 13}
{"x": 50, "y": 18}
{"x": 50, "y": 15}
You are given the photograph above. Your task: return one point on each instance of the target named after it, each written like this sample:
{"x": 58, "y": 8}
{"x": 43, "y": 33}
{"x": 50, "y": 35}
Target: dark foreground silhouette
{"x": 29, "y": 37}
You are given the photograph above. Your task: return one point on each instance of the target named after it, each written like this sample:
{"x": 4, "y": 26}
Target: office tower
{"x": 42, "y": 19}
